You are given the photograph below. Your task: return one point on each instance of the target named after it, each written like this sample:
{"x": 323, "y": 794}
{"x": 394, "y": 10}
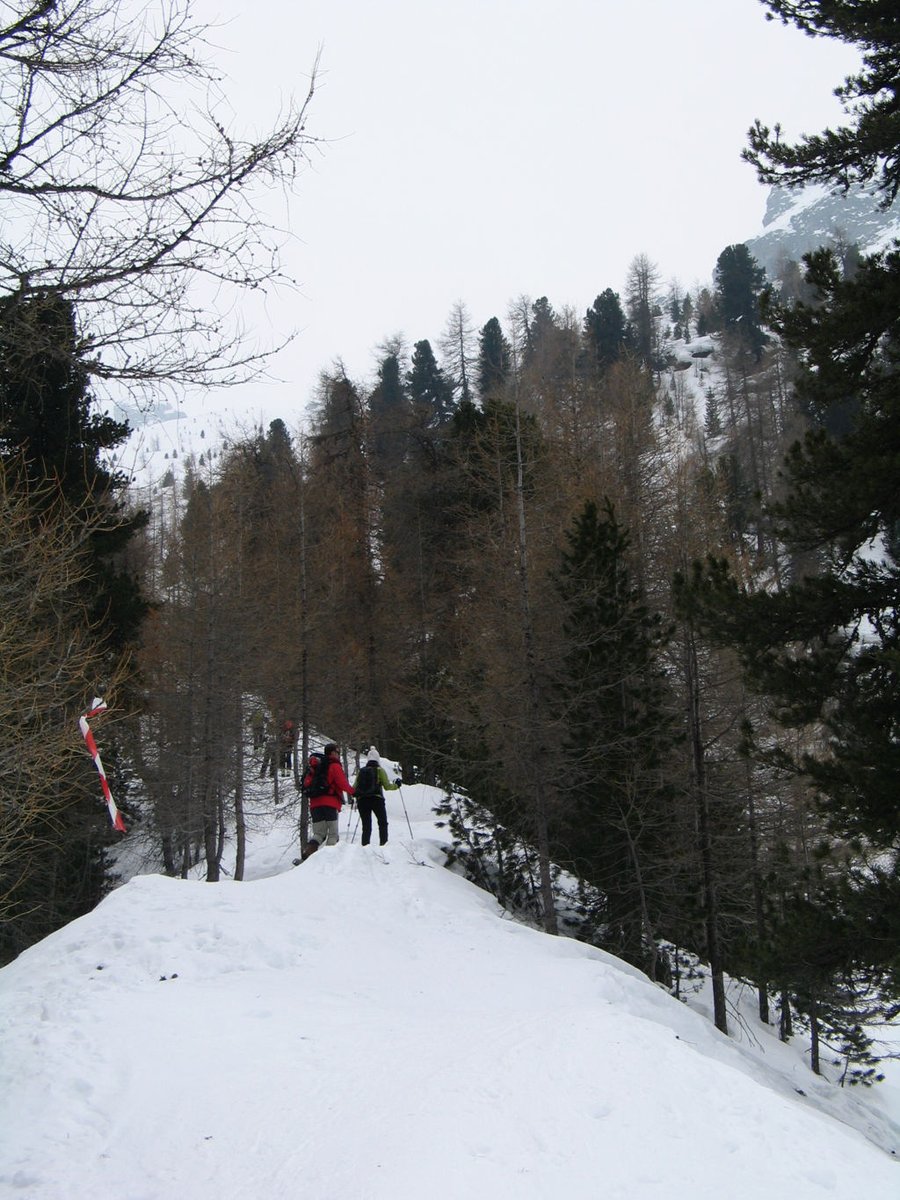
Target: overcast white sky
{"x": 484, "y": 149}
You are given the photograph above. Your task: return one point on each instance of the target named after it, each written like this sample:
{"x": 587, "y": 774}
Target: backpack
{"x": 367, "y": 784}
{"x": 315, "y": 781}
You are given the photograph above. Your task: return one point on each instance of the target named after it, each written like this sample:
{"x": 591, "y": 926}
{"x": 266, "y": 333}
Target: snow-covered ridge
{"x": 352, "y": 1029}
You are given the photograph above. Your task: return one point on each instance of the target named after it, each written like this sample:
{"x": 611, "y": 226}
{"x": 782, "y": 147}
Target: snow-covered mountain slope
{"x": 354, "y": 1029}
{"x": 801, "y": 219}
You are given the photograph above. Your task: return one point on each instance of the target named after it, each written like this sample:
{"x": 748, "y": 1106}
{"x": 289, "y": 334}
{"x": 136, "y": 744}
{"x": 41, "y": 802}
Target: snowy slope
{"x": 351, "y": 1029}
{"x": 798, "y": 220}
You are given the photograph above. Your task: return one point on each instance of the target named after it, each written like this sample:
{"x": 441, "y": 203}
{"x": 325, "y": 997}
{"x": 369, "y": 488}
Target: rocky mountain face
{"x": 801, "y": 219}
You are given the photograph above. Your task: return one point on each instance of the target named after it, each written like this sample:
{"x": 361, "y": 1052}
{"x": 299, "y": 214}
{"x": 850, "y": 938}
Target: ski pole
{"x": 405, "y": 813}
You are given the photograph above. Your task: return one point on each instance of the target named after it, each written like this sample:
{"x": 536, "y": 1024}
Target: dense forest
{"x": 622, "y": 582}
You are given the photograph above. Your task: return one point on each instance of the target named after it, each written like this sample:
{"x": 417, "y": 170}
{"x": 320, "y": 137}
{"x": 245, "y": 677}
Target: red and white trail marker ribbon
{"x": 99, "y": 706}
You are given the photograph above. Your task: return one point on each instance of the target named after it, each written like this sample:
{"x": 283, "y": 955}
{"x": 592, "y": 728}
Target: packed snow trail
{"x": 356, "y": 1030}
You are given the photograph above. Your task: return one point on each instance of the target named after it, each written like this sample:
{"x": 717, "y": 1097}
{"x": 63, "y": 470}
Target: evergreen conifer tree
{"x": 864, "y": 149}
{"x": 713, "y": 422}
{"x": 493, "y": 360}
{"x": 605, "y": 331}
{"x": 540, "y": 332}
{"x": 739, "y": 282}
{"x": 430, "y": 392}
{"x": 389, "y": 410}
{"x": 54, "y": 440}
{"x": 49, "y": 423}
{"x": 828, "y": 647}
{"x": 619, "y": 731}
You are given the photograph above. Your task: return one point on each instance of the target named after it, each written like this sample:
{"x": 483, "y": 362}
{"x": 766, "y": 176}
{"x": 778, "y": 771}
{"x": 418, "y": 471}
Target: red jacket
{"x": 337, "y": 783}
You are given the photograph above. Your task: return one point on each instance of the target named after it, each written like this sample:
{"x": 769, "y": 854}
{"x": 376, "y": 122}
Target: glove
{"x": 398, "y": 781}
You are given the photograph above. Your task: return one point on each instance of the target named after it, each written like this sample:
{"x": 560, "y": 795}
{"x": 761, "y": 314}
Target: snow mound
{"x": 353, "y": 1028}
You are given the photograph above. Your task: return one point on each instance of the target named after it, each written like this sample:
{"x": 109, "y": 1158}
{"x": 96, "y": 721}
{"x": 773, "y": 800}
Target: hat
{"x": 373, "y": 753}
{"x": 329, "y": 749}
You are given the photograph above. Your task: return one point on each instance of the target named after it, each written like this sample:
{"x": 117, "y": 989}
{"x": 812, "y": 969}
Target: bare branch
{"x": 125, "y": 192}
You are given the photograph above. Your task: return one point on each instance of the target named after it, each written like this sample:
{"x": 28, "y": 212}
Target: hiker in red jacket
{"x": 325, "y": 807}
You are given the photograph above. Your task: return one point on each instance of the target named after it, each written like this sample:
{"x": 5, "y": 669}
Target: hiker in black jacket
{"x": 369, "y": 788}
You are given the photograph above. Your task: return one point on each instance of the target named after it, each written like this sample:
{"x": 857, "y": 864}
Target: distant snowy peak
{"x": 798, "y": 220}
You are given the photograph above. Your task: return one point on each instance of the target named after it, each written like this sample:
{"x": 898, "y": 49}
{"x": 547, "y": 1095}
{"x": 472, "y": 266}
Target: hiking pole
{"x": 405, "y": 813}
{"x": 350, "y": 818}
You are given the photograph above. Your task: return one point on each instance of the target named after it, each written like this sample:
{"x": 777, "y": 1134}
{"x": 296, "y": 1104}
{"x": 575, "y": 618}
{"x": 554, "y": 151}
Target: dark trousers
{"x": 366, "y": 805}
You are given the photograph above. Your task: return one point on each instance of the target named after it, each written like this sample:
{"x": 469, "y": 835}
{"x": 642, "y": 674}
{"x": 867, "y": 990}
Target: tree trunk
{"x": 211, "y": 800}
{"x": 814, "y": 1036}
{"x": 785, "y": 1019}
{"x": 704, "y": 836}
{"x": 211, "y": 832}
{"x": 304, "y": 717}
{"x": 756, "y": 877}
{"x": 168, "y": 853}
{"x": 649, "y": 933}
{"x": 542, "y": 832}
{"x": 240, "y": 827}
